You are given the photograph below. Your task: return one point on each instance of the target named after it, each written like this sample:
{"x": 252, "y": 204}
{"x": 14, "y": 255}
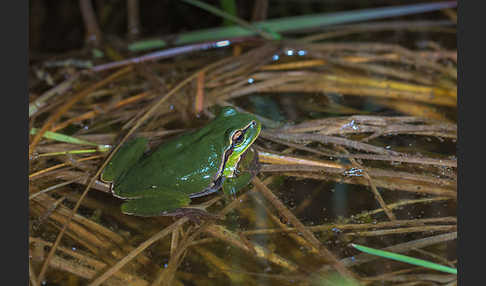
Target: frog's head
{"x": 242, "y": 129}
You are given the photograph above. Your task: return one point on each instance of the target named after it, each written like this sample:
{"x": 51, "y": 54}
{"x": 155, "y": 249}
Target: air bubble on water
{"x": 104, "y": 147}
{"x": 353, "y": 172}
{"x": 351, "y": 124}
{"x": 336, "y": 230}
{"x": 224, "y": 43}
{"x": 275, "y": 57}
{"x": 301, "y": 52}
{"x": 251, "y": 80}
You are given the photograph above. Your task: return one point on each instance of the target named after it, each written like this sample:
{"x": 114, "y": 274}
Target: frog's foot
{"x": 155, "y": 205}
{"x": 194, "y": 214}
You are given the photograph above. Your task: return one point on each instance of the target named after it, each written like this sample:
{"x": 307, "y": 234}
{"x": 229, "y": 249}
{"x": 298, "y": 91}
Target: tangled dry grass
{"x": 404, "y": 166}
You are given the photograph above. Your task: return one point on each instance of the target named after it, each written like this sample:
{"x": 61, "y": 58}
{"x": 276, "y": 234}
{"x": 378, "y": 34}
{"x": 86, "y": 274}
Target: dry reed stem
{"x": 357, "y": 124}
{"x": 51, "y": 188}
{"x": 32, "y": 278}
{"x": 55, "y": 167}
{"x": 174, "y": 240}
{"x": 360, "y": 226}
{"x": 247, "y": 243}
{"x": 428, "y": 229}
{"x": 373, "y": 157}
{"x": 420, "y": 279}
{"x": 371, "y": 171}
{"x": 294, "y": 65}
{"x": 198, "y": 102}
{"x": 363, "y": 47}
{"x": 326, "y": 139}
{"x": 330, "y": 85}
{"x": 396, "y": 184}
{"x": 368, "y": 280}
{"x": 272, "y": 158}
{"x": 451, "y": 14}
{"x": 372, "y": 185}
{"x": 380, "y": 70}
{"x": 61, "y": 88}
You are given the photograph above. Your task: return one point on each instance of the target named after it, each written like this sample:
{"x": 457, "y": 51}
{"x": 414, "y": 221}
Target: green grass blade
{"x": 82, "y": 151}
{"x": 404, "y": 258}
{"x": 69, "y": 139}
{"x": 147, "y": 45}
{"x": 289, "y": 24}
{"x": 251, "y": 28}
{"x": 229, "y": 6}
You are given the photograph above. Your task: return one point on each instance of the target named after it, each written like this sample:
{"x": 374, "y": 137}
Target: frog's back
{"x": 186, "y": 167}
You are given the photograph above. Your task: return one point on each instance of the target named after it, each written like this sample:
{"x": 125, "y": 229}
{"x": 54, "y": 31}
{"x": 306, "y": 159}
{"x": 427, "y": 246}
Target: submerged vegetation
{"x": 357, "y": 146}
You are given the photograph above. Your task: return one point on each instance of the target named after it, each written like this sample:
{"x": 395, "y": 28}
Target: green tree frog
{"x": 195, "y": 164}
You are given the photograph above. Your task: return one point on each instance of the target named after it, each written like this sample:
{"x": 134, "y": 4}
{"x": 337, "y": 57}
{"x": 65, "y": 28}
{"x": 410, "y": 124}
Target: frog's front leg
{"x": 232, "y": 185}
{"x": 247, "y": 169}
{"x": 127, "y": 156}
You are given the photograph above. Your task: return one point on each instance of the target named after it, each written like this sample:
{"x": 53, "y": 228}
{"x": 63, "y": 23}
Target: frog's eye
{"x": 238, "y": 137}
